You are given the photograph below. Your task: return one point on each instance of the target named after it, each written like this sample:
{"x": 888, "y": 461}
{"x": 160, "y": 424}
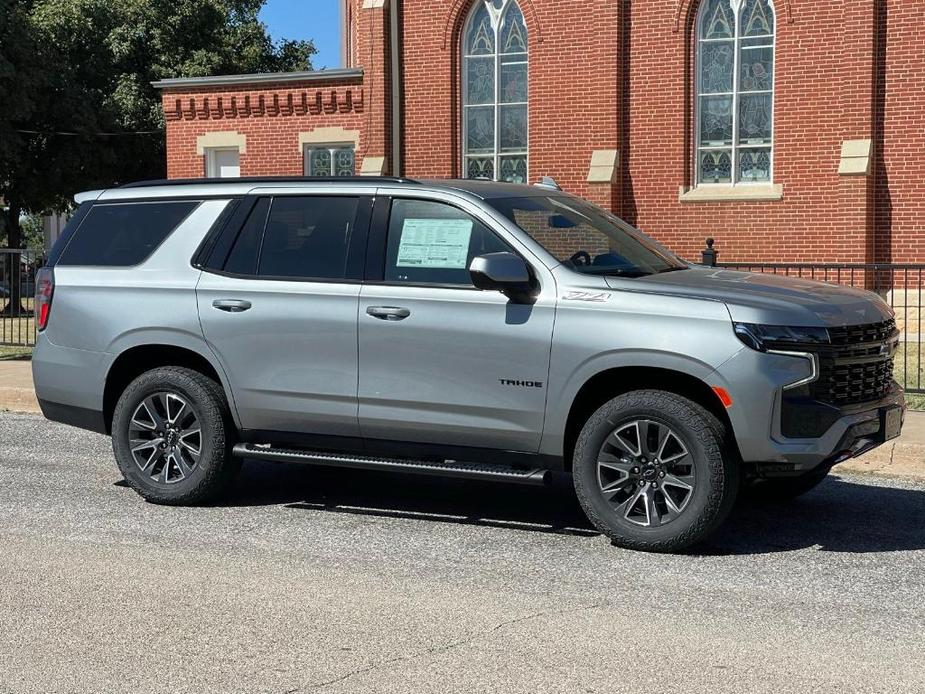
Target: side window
{"x": 307, "y": 237}
{"x": 433, "y": 243}
{"x": 243, "y": 257}
{"x": 124, "y": 234}
{"x": 329, "y": 160}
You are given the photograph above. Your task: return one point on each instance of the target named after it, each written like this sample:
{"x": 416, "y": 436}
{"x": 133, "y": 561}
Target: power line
{"x": 88, "y": 134}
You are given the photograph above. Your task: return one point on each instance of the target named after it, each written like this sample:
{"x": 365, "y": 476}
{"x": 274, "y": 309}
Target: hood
{"x": 767, "y": 298}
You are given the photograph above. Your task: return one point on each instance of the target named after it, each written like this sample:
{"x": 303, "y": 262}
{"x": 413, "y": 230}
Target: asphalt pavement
{"x": 335, "y": 581}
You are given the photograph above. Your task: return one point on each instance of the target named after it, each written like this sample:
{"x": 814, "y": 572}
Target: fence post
{"x": 709, "y": 254}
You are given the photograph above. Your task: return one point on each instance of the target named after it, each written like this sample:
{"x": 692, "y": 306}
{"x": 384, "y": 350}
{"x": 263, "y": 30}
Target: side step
{"x": 471, "y": 471}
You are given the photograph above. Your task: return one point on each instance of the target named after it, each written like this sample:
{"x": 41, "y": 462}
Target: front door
{"x": 440, "y": 361}
{"x": 281, "y": 315}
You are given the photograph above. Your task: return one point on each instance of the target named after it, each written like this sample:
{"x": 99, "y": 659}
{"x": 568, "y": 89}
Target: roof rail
{"x": 268, "y": 179}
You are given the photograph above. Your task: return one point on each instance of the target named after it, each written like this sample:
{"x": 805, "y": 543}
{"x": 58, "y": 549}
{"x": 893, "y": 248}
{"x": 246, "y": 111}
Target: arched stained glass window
{"x": 495, "y": 139}
{"x": 735, "y": 91}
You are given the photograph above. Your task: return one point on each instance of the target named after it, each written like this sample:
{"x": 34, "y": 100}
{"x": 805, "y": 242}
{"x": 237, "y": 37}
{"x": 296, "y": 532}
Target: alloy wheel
{"x": 165, "y": 437}
{"x": 646, "y": 473}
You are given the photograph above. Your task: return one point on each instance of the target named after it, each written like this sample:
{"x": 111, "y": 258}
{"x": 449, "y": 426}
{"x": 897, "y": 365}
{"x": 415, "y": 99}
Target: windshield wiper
{"x": 674, "y": 268}
{"x": 615, "y": 272}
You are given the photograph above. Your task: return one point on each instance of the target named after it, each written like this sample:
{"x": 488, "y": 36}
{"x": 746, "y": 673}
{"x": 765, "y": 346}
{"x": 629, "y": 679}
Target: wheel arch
{"x": 136, "y": 360}
{"x": 609, "y": 383}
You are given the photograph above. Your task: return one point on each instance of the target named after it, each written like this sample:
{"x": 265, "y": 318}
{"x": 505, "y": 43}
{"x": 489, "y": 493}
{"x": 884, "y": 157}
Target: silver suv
{"x": 461, "y": 328}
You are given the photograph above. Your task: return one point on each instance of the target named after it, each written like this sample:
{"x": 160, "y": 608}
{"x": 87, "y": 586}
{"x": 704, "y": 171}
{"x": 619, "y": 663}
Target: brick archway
{"x": 686, "y": 9}
{"x": 459, "y": 10}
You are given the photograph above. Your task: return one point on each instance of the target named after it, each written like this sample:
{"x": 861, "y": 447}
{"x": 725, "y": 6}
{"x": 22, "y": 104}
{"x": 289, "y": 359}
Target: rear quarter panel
{"x": 100, "y": 312}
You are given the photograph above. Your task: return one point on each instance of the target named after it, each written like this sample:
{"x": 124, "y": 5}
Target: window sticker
{"x": 435, "y": 243}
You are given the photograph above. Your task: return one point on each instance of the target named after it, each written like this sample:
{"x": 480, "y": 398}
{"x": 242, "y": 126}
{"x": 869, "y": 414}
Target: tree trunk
{"x": 13, "y": 264}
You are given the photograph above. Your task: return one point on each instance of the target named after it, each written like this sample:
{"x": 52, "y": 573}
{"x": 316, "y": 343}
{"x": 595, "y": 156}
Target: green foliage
{"x": 32, "y": 231}
{"x": 85, "y": 67}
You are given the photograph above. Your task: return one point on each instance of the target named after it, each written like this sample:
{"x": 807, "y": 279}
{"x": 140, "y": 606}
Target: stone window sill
{"x": 740, "y": 193}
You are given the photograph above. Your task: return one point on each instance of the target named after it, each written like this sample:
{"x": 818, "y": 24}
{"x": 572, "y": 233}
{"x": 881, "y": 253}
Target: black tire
{"x": 784, "y": 489}
{"x": 709, "y": 466}
{"x": 166, "y": 481}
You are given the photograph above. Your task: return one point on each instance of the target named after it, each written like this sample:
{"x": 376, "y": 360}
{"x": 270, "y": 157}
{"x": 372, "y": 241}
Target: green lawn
{"x": 909, "y": 367}
{"x": 8, "y": 353}
{"x": 17, "y": 330}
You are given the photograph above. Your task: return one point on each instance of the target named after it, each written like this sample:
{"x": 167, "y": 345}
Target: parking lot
{"x": 312, "y": 580}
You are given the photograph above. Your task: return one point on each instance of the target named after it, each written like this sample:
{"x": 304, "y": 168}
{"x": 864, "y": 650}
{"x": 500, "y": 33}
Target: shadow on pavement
{"x": 841, "y": 515}
{"x": 551, "y": 509}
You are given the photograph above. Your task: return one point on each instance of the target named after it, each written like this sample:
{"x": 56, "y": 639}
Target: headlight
{"x": 766, "y": 338}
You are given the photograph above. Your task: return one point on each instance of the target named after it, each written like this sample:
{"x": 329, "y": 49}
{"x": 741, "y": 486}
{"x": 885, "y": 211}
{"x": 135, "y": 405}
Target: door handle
{"x": 231, "y": 305}
{"x": 389, "y": 313}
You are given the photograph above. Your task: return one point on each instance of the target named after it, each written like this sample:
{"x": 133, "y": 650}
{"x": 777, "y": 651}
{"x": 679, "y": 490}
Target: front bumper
{"x": 756, "y": 382}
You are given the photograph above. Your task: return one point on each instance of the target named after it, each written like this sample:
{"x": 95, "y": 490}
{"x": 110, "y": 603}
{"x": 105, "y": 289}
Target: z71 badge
{"x": 597, "y": 297}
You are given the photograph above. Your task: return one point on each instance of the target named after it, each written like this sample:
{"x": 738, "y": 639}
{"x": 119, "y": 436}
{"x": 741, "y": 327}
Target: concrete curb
{"x": 16, "y": 390}
{"x": 903, "y": 458}
{"x": 18, "y": 400}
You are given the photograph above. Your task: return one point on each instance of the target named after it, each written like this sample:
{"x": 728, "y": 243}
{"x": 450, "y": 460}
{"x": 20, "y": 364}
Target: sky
{"x": 318, "y": 20}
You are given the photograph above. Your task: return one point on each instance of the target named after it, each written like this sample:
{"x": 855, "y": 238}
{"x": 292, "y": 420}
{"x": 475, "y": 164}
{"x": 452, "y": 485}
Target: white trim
{"x": 725, "y": 192}
{"x": 327, "y": 135}
{"x": 855, "y": 158}
{"x": 261, "y": 77}
{"x": 604, "y": 166}
{"x": 221, "y": 139}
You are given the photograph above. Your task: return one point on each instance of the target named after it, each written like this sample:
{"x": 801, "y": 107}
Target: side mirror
{"x": 503, "y": 272}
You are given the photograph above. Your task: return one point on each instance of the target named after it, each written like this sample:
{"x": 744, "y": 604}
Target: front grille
{"x": 853, "y": 334}
{"x": 855, "y": 367}
{"x": 848, "y": 384}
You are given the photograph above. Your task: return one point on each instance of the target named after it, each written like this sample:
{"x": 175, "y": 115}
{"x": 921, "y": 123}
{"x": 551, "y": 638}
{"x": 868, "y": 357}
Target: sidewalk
{"x": 16, "y": 392}
{"x": 904, "y": 457}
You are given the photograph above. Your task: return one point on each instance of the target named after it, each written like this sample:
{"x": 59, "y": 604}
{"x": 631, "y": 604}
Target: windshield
{"x": 586, "y": 238}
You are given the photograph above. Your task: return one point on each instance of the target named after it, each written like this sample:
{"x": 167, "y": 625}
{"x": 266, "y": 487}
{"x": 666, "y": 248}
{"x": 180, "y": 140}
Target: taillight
{"x": 44, "y": 289}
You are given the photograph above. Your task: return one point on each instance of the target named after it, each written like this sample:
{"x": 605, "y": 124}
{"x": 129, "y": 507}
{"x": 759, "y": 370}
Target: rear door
{"x": 278, "y": 308}
{"x": 440, "y": 361}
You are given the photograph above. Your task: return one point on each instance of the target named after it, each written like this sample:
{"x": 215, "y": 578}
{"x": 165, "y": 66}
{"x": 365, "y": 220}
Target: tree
{"x": 78, "y": 110}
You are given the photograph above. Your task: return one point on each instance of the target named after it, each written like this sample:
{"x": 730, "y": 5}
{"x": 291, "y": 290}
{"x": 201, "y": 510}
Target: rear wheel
{"x": 172, "y": 435}
{"x": 652, "y": 473}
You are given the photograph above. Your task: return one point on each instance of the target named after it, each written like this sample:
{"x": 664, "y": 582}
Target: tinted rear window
{"x": 124, "y": 234}
{"x": 307, "y": 238}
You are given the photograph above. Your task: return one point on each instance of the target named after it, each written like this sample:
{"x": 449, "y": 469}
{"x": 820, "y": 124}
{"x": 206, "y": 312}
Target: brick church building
{"x": 790, "y": 130}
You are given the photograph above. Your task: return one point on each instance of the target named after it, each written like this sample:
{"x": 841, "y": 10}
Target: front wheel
{"x": 652, "y": 472}
{"x": 172, "y": 434}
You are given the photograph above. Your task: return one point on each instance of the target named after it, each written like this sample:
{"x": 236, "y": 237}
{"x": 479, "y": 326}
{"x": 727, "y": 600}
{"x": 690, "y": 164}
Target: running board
{"x": 471, "y": 471}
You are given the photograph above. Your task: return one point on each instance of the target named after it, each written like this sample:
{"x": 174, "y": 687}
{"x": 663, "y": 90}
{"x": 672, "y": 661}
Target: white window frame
{"x": 332, "y": 147}
{"x": 737, "y": 7}
{"x": 212, "y": 167}
{"x": 497, "y": 16}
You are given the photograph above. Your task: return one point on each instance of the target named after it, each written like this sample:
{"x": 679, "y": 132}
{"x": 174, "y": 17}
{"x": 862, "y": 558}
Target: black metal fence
{"x": 17, "y": 291}
{"x": 901, "y": 285}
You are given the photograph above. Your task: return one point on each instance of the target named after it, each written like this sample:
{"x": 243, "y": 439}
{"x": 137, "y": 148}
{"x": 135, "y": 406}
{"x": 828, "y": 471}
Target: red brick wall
{"x": 270, "y": 116}
{"x": 618, "y": 75}
{"x": 899, "y": 203}
{"x": 808, "y": 129}
{"x": 573, "y": 84}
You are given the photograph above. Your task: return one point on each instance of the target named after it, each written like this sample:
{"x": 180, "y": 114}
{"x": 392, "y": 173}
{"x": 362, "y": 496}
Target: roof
{"x": 488, "y": 189}
{"x": 261, "y": 78}
{"x": 242, "y": 186}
